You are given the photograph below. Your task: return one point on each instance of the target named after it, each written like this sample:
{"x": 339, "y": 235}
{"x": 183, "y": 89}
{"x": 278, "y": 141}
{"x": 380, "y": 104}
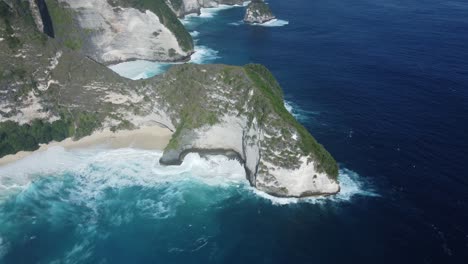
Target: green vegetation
{"x": 270, "y": 90}
{"x": 168, "y": 18}
{"x": 5, "y": 13}
{"x": 261, "y": 7}
{"x": 73, "y": 44}
{"x": 176, "y": 4}
{"x": 123, "y": 125}
{"x": 86, "y": 123}
{"x": 64, "y": 25}
{"x": 172, "y": 52}
{"x": 15, "y": 137}
{"x": 174, "y": 142}
{"x": 192, "y": 118}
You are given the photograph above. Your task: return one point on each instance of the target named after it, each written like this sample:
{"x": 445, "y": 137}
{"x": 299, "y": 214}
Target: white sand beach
{"x": 151, "y": 137}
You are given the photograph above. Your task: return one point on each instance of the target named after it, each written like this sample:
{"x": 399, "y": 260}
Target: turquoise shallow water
{"x": 382, "y": 84}
{"x": 121, "y": 206}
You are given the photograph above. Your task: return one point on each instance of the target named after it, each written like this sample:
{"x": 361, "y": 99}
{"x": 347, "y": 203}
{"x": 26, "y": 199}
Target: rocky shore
{"x": 50, "y": 92}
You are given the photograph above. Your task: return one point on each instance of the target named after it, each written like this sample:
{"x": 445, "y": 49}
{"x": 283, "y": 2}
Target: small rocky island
{"x": 258, "y": 12}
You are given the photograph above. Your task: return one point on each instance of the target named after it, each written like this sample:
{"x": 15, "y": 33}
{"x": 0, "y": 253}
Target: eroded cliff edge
{"x": 241, "y": 109}
{"x": 112, "y": 31}
{"x": 49, "y": 92}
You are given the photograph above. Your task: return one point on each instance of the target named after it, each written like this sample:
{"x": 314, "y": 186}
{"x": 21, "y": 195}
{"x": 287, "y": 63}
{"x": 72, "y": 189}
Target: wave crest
{"x": 95, "y": 171}
{"x": 273, "y": 23}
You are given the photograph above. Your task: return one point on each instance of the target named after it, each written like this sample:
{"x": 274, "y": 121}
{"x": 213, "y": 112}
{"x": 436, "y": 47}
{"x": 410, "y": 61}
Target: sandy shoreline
{"x": 152, "y": 137}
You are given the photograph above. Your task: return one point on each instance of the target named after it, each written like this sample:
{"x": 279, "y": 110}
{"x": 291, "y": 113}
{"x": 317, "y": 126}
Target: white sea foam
{"x": 211, "y": 12}
{"x": 208, "y": 12}
{"x": 237, "y": 23}
{"x": 273, "y": 23}
{"x": 194, "y": 33}
{"x": 3, "y": 248}
{"x": 288, "y": 106}
{"x": 96, "y": 170}
{"x": 161, "y": 209}
{"x": 203, "y": 55}
{"x": 205, "y": 13}
{"x": 99, "y": 168}
{"x": 17, "y": 176}
{"x": 299, "y": 113}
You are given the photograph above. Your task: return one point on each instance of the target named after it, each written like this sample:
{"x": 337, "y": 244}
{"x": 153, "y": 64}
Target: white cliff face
{"x": 251, "y": 148}
{"x": 225, "y": 135}
{"x": 304, "y": 181}
{"x": 233, "y": 134}
{"x": 36, "y": 15}
{"x": 121, "y": 34}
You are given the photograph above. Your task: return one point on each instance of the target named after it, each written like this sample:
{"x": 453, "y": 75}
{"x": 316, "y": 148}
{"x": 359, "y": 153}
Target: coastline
{"x": 150, "y": 137}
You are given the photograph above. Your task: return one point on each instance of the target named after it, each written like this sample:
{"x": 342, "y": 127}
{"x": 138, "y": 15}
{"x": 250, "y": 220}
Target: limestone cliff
{"x": 112, "y": 31}
{"x": 49, "y": 92}
{"x": 241, "y": 109}
{"x": 258, "y": 12}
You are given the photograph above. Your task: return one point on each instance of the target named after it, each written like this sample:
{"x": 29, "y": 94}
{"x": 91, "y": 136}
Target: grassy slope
{"x": 65, "y": 29}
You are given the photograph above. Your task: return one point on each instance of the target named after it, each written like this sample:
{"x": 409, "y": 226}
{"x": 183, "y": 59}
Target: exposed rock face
{"x": 185, "y": 7}
{"x": 258, "y": 12}
{"x": 119, "y": 30}
{"x": 236, "y": 111}
{"x": 241, "y": 109}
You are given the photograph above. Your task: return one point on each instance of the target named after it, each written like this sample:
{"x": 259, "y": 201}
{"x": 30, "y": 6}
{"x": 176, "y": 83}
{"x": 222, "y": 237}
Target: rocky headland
{"x": 51, "y": 92}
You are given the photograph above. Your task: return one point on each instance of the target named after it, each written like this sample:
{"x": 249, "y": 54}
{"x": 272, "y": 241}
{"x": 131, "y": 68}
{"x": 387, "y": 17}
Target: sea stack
{"x": 258, "y": 12}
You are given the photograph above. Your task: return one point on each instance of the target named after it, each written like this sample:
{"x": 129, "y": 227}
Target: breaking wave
{"x": 93, "y": 171}
{"x": 213, "y": 11}
{"x": 273, "y": 23}
{"x": 208, "y": 12}
{"x": 299, "y": 113}
{"x": 204, "y": 55}
{"x": 97, "y": 194}
{"x": 97, "y": 169}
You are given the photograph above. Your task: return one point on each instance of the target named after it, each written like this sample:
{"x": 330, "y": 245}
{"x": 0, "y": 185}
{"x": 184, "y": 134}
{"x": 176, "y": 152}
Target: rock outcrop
{"x": 258, "y": 12}
{"x": 185, "y": 7}
{"x": 50, "y": 92}
{"x": 111, "y": 31}
{"x": 241, "y": 110}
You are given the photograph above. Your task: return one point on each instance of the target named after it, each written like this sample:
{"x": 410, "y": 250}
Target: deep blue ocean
{"x": 382, "y": 84}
